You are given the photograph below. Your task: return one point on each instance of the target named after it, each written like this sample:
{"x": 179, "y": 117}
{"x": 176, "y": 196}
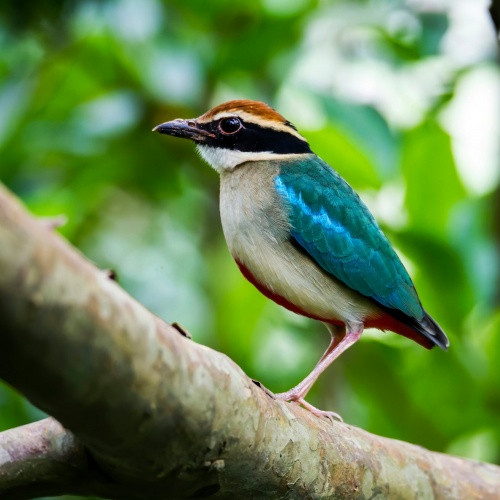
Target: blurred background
{"x": 401, "y": 97}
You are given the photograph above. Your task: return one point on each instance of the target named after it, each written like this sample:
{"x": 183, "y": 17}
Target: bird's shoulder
{"x": 315, "y": 189}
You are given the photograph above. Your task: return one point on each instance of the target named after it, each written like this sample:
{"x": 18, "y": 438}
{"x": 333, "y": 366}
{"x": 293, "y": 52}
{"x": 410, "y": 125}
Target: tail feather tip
{"x": 434, "y": 332}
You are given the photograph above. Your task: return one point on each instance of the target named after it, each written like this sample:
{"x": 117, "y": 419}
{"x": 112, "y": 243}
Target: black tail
{"x": 432, "y": 331}
{"x": 427, "y": 327}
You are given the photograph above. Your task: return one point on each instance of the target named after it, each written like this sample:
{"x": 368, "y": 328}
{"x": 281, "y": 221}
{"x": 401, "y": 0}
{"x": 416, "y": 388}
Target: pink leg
{"x": 337, "y": 346}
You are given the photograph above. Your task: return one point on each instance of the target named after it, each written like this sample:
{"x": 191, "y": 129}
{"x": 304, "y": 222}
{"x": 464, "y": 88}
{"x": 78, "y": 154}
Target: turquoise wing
{"x": 330, "y": 222}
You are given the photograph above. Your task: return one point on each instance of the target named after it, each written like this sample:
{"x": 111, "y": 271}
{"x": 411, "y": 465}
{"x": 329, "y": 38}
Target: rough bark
{"x": 156, "y": 415}
{"x": 43, "y": 459}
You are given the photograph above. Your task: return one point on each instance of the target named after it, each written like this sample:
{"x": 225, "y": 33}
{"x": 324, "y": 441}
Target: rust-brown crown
{"x": 255, "y": 108}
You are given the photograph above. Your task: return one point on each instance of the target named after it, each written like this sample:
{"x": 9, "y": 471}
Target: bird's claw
{"x": 320, "y": 413}
{"x": 294, "y": 398}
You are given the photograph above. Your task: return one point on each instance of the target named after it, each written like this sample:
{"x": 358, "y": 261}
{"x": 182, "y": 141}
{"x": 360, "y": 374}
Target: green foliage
{"x": 369, "y": 83}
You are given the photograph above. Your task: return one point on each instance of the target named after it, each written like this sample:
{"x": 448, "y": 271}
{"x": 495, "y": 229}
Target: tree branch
{"x": 44, "y": 459}
{"x": 157, "y": 415}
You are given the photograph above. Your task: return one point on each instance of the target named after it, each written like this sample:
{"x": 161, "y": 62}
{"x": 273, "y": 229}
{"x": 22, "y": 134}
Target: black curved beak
{"x": 187, "y": 129}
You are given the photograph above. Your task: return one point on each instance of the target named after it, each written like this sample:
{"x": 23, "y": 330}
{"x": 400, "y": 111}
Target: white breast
{"x": 257, "y": 234}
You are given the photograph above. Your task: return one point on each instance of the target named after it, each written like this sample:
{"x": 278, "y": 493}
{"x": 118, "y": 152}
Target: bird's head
{"x": 239, "y": 131}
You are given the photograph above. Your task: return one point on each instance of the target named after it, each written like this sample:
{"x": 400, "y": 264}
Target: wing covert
{"x": 330, "y": 222}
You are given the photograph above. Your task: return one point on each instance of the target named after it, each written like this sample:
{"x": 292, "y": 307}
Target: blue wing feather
{"x": 330, "y": 222}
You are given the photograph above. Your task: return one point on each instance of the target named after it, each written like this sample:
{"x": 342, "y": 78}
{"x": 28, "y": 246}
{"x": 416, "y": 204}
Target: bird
{"x": 301, "y": 235}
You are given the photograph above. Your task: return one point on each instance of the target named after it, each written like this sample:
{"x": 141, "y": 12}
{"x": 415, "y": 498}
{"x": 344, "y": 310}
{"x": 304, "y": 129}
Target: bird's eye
{"x": 230, "y": 125}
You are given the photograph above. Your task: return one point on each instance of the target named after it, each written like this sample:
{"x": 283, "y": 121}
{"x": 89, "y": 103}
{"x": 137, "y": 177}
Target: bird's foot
{"x": 320, "y": 413}
{"x": 296, "y": 398}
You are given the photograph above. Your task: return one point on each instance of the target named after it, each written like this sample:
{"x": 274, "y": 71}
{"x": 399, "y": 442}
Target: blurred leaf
{"x": 434, "y": 26}
{"x": 339, "y": 151}
{"x": 433, "y": 186}
{"x": 369, "y": 130}
{"x": 441, "y": 280}
{"x": 479, "y": 446}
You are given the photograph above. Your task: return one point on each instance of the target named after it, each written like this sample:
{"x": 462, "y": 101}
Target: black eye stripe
{"x": 254, "y": 138}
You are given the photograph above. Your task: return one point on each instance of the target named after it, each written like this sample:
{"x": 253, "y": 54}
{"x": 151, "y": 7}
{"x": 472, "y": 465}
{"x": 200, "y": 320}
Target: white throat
{"x": 222, "y": 159}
